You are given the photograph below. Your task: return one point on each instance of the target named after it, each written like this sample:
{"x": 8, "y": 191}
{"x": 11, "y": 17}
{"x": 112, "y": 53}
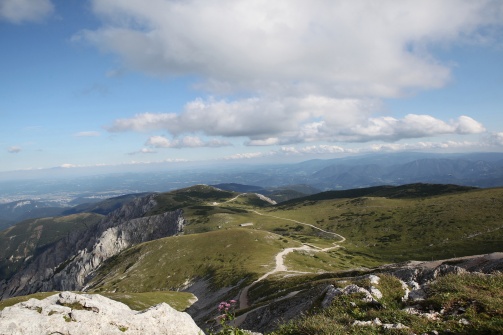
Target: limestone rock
{"x": 375, "y": 322}
{"x": 374, "y": 280}
{"x": 406, "y": 290}
{"x": 331, "y": 293}
{"x": 376, "y": 293}
{"x": 82, "y": 314}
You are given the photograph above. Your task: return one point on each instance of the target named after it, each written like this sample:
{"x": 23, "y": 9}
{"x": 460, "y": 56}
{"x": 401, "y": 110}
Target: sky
{"x": 87, "y": 83}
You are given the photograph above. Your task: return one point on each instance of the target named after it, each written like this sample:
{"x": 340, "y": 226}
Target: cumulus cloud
{"x": 341, "y": 47}
{"x": 14, "y": 149}
{"x": 18, "y": 11}
{"x": 411, "y": 126}
{"x": 256, "y": 118}
{"x": 185, "y": 142}
{"x": 290, "y": 120}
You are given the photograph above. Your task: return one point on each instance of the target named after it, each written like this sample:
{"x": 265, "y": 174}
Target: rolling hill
{"x": 240, "y": 242}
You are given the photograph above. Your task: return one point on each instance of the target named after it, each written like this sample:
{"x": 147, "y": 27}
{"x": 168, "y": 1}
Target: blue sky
{"x": 109, "y": 82}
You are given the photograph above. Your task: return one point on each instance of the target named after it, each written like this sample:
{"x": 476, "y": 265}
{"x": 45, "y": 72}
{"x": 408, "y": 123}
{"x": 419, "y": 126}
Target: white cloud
{"x": 185, "y": 142}
{"x": 264, "y": 142}
{"x": 327, "y": 47}
{"x": 18, "y": 11}
{"x": 87, "y": 134}
{"x": 411, "y": 126}
{"x": 14, "y": 149}
{"x": 467, "y": 125}
{"x": 291, "y": 120}
{"x": 68, "y": 166}
{"x": 260, "y": 119}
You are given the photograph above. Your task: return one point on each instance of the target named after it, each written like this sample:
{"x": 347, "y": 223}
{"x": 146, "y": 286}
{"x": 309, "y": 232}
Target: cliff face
{"x": 69, "y": 263}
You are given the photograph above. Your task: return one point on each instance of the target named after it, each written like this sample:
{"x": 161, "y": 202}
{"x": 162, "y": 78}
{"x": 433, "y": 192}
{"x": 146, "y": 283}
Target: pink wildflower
{"x": 224, "y": 306}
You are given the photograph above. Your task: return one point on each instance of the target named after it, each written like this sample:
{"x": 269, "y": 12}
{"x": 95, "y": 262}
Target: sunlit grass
{"x": 225, "y": 257}
{"x": 479, "y": 296}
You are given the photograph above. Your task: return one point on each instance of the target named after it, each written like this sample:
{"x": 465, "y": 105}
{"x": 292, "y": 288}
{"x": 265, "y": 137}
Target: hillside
{"x": 394, "y": 229}
{"x": 242, "y": 246}
{"x": 69, "y": 263}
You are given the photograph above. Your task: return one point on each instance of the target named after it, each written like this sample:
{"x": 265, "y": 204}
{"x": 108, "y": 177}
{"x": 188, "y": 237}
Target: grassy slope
{"x": 378, "y": 230}
{"x": 191, "y": 196}
{"x": 224, "y": 257}
{"x": 401, "y": 229}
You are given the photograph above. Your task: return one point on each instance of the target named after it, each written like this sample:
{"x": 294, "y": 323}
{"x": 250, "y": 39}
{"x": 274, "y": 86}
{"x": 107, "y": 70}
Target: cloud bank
{"x": 292, "y": 120}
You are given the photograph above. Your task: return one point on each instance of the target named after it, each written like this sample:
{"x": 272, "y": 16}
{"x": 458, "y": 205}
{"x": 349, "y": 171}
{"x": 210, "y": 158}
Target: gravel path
{"x": 280, "y": 258}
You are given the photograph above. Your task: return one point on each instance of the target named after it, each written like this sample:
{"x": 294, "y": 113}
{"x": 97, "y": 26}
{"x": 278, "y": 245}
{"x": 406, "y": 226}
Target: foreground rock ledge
{"x": 83, "y": 314}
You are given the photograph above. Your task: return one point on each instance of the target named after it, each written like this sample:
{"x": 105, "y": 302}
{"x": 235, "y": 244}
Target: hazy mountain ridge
{"x": 18, "y": 211}
{"x": 428, "y": 170}
{"x": 476, "y": 169}
{"x": 28, "y": 209}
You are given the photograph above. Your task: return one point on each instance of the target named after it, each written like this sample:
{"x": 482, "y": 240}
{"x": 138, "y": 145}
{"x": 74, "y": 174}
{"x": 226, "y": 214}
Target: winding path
{"x": 280, "y": 257}
{"x": 305, "y": 224}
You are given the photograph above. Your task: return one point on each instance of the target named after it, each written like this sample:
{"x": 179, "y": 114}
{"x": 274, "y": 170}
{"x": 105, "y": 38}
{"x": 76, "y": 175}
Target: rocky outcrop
{"x": 70, "y": 313}
{"x": 414, "y": 276}
{"x": 70, "y": 263}
{"x": 331, "y": 293}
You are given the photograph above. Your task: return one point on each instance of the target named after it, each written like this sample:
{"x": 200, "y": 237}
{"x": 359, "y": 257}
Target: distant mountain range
{"x": 480, "y": 170}
{"x": 280, "y": 182}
